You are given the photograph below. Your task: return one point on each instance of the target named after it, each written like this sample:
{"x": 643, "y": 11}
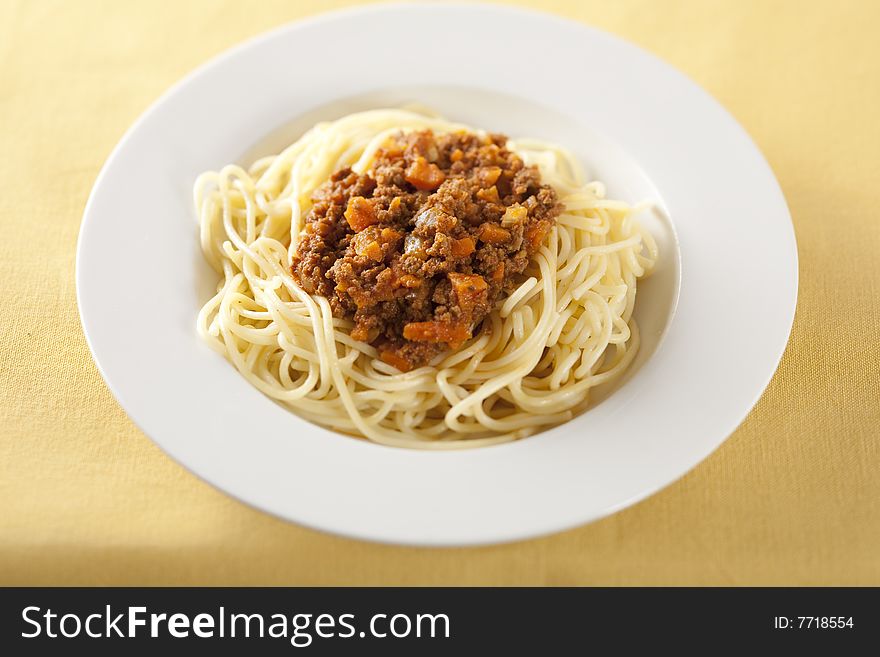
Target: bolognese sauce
{"x": 417, "y": 250}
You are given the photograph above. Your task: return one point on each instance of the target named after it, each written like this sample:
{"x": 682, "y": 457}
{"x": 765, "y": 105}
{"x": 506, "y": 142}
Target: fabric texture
{"x": 792, "y": 497}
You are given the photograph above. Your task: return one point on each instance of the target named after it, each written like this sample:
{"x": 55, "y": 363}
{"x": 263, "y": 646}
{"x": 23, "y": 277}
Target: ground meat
{"x": 418, "y": 249}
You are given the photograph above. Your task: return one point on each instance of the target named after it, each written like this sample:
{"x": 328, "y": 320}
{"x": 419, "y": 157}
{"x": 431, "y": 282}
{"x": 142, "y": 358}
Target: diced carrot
{"x": 498, "y": 273}
{"x": 389, "y": 235}
{"x": 493, "y": 234}
{"x": 395, "y": 360}
{"x": 463, "y": 247}
{"x": 466, "y": 282}
{"x": 424, "y": 175}
{"x": 410, "y": 281}
{"x": 373, "y": 251}
{"x": 490, "y": 195}
{"x": 456, "y": 155}
{"x": 393, "y": 147}
{"x": 360, "y": 213}
{"x": 365, "y": 245}
{"x": 470, "y": 289}
{"x": 360, "y": 333}
{"x": 436, "y": 332}
{"x": 489, "y": 176}
{"x": 536, "y": 233}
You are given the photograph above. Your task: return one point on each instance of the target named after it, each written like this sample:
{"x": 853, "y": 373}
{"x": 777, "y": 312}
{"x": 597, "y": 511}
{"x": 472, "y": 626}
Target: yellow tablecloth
{"x": 793, "y": 497}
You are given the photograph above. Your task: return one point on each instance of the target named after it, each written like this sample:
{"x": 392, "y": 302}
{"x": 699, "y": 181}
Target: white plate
{"x": 715, "y": 317}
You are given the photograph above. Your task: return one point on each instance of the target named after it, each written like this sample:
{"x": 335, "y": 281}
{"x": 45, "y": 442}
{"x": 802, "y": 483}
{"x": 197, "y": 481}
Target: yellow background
{"x": 793, "y": 497}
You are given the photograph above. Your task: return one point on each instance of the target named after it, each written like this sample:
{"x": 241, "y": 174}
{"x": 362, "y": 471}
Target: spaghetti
{"x": 565, "y": 329}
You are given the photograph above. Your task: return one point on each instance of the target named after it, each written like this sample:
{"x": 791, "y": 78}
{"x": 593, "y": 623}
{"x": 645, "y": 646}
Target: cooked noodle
{"x": 565, "y": 330}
